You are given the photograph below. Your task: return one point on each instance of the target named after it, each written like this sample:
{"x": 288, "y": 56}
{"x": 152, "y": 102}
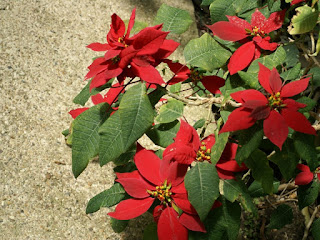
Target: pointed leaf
{"x": 219, "y": 146}
{"x": 280, "y": 217}
{"x": 170, "y": 111}
{"x": 220, "y": 8}
{"x": 133, "y": 118}
{"x": 256, "y": 189}
{"x": 202, "y": 184}
{"x": 304, "y": 21}
{"x": 174, "y": 20}
{"x": 206, "y": 53}
{"x": 85, "y": 137}
{"x": 307, "y": 194}
{"x": 107, "y": 198}
{"x": 118, "y": 226}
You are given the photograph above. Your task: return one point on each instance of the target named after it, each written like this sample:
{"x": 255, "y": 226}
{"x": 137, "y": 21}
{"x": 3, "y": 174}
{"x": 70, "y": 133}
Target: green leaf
{"x": 261, "y": 171}
{"x": 292, "y": 55}
{"x": 286, "y": 159}
{"x": 206, "y": 2}
{"x": 133, "y": 118}
{"x": 107, "y": 198}
{"x": 307, "y": 194}
{"x": 118, "y": 226}
{"x": 315, "y": 76}
{"x": 292, "y": 73}
{"x": 225, "y": 115}
{"x": 85, "y": 93}
{"x": 304, "y": 21}
{"x": 250, "y": 140}
{"x": 250, "y": 79}
{"x": 280, "y": 217}
{"x": 174, "y": 19}
{"x": 236, "y": 190}
{"x": 175, "y": 88}
{"x": 163, "y": 134}
{"x": 222, "y": 223}
{"x": 315, "y": 229}
{"x": 170, "y": 111}
{"x": 126, "y": 157}
{"x": 219, "y": 146}
{"x": 156, "y": 95}
{"x": 309, "y": 102}
{"x": 150, "y": 232}
{"x": 270, "y": 61}
{"x": 85, "y": 137}
{"x": 66, "y": 132}
{"x": 128, "y": 167}
{"x": 304, "y": 145}
{"x": 199, "y": 124}
{"x": 206, "y": 53}
{"x": 256, "y": 189}
{"x": 202, "y": 184}
{"x": 220, "y": 8}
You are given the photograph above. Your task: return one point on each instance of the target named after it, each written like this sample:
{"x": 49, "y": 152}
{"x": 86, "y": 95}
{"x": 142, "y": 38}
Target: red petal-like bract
{"x": 275, "y": 81}
{"x": 293, "y": 105}
{"x": 274, "y": 21}
{"x": 263, "y": 76}
{"x": 228, "y": 31}
{"x": 131, "y": 23}
{"x": 213, "y": 83}
{"x": 304, "y": 177}
{"x": 148, "y": 165}
{"x": 134, "y": 187}
{"x": 241, "y": 58}
{"x": 239, "y": 22}
{"x": 180, "y": 152}
{"x": 147, "y": 73}
{"x": 76, "y": 112}
{"x": 188, "y": 135}
{"x": 169, "y": 227}
{"x": 252, "y": 94}
{"x": 294, "y": 88}
{"x": 99, "y": 46}
{"x": 258, "y": 19}
{"x": 265, "y": 43}
{"x": 131, "y": 208}
{"x": 173, "y": 171}
{"x": 297, "y": 121}
{"x": 275, "y": 128}
{"x": 239, "y": 119}
{"x": 192, "y": 222}
{"x": 183, "y": 203}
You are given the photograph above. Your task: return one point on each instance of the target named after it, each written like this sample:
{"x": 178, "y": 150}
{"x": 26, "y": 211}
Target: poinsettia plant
{"x": 256, "y": 71}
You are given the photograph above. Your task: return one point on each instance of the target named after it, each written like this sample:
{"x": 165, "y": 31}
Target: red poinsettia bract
{"x": 305, "y": 176}
{"x": 276, "y": 109}
{"x": 130, "y": 56}
{"x": 238, "y": 29}
{"x": 162, "y": 180}
{"x": 187, "y": 148}
{"x": 182, "y": 73}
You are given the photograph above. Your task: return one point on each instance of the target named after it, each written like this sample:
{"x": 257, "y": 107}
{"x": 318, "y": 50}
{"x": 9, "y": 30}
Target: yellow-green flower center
{"x": 255, "y": 32}
{"x": 195, "y": 75}
{"x": 203, "y": 153}
{"x": 275, "y": 100}
{"x": 162, "y": 192}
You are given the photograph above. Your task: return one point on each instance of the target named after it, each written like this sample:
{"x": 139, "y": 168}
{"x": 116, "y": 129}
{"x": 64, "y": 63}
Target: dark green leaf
{"x": 163, "y": 134}
{"x": 256, "y": 189}
{"x": 309, "y": 102}
{"x": 315, "y": 76}
{"x": 261, "y": 171}
{"x": 85, "y": 137}
{"x": 156, "y": 95}
{"x": 202, "y": 184}
{"x": 107, "y": 198}
{"x": 315, "y": 229}
{"x": 250, "y": 140}
{"x": 304, "y": 145}
{"x": 128, "y": 167}
{"x": 206, "y": 53}
{"x": 150, "y": 232}
{"x": 280, "y": 217}
{"x": 307, "y": 194}
{"x": 222, "y": 223}
{"x": 65, "y": 132}
{"x": 292, "y": 73}
{"x": 125, "y": 157}
{"x": 292, "y": 55}
{"x": 174, "y": 19}
{"x": 225, "y": 115}
{"x": 236, "y": 190}
{"x": 118, "y": 225}
{"x": 199, "y": 124}
{"x": 250, "y": 80}
{"x": 133, "y": 118}
{"x": 206, "y": 2}
{"x": 220, "y": 8}
{"x": 286, "y": 159}
{"x": 170, "y": 111}
{"x": 219, "y": 146}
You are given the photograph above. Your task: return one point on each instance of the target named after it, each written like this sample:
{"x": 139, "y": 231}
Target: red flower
{"x": 276, "y": 109}
{"x": 182, "y": 73}
{"x": 161, "y": 180}
{"x": 130, "y": 57}
{"x": 297, "y": 1}
{"x": 238, "y": 29}
{"x": 305, "y": 176}
{"x": 188, "y": 148}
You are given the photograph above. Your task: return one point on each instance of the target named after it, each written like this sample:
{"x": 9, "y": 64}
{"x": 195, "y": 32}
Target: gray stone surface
{"x": 43, "y": 61}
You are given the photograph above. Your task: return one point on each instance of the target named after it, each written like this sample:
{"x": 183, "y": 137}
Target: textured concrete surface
{"x": 43, "y": 61}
